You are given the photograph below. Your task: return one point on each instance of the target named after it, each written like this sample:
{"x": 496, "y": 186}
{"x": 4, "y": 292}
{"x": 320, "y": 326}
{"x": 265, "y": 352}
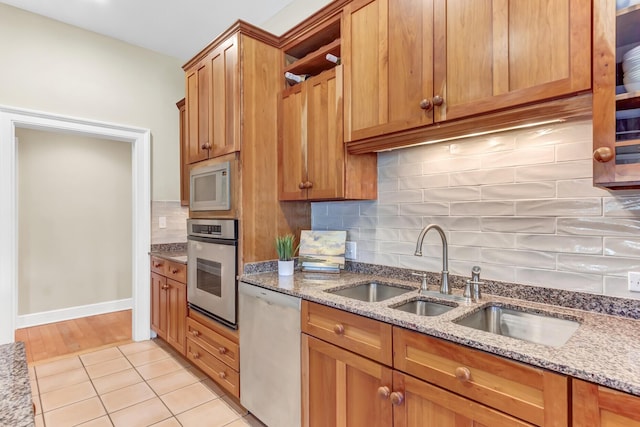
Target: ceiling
{"x": 178, "y": 28}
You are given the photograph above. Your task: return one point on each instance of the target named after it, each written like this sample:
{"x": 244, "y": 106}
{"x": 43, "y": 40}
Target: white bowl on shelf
{"x": 632, "y": 86}
{"x": 631, "y": 63}
{"x": 631, "y": 77}
{"x": 631, "y": 53}
{"x": 632, "y": 70}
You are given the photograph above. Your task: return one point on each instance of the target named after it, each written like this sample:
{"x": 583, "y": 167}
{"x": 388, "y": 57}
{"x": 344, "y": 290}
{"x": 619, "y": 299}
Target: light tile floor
{"x": 134, "y": 385}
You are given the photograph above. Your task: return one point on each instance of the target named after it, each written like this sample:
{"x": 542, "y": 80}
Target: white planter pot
{"x": 285, "y": 268}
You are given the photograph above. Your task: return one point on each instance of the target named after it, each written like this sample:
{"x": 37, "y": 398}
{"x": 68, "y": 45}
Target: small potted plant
{"x": 286, "y": 250}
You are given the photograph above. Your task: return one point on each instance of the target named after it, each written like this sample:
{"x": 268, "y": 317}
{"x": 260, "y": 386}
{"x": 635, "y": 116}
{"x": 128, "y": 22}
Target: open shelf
{"x": 627, "y": 25}
{"x": 315, "y": 62}
{"x": 625, "y": 101}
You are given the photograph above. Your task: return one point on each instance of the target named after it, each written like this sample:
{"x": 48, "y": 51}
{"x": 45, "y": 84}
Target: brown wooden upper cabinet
{"x": 411, "y": 63}
{"x": 213, "y": 103}
{"x": 616, "y": 95}
{"x": 313, "y": 163}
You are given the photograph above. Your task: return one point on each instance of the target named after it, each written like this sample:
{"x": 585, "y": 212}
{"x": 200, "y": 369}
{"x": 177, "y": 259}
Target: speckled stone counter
{"x": 605, "y": 349}
{"x": 176, "y": 252}
{"x": 16, "y": 407}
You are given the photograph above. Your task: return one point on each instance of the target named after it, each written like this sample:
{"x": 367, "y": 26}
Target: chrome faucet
{"x": 444, "y": 282}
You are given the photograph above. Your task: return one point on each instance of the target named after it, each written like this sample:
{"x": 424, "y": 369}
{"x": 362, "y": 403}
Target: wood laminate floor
{"x": 75, "y": 336}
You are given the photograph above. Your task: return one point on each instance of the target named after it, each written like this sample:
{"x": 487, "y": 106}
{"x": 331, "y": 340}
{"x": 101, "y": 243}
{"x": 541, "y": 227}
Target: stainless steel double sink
{"x": 510, "y": 321}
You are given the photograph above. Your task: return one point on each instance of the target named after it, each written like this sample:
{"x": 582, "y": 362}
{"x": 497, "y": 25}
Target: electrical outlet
{"x": 350, "y": 250}
{"x": 162, "y": 222}
{"x": 634, "y": 281}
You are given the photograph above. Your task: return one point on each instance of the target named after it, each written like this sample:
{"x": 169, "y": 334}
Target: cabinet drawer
{"x": 222, "y": 374}
{"x": 532, "y": 394}
{"x": 367, "y": 337}
{"x": 158, "y": 265}
{"x": 176, "y": 271}
{"x": 214, "y": 343}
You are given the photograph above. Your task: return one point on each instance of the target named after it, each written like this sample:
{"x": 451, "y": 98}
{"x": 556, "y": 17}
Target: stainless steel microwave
{"x": 209, "y": 187}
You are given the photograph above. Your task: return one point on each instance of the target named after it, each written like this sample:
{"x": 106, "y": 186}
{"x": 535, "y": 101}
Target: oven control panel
{"x": 213, "y": 228}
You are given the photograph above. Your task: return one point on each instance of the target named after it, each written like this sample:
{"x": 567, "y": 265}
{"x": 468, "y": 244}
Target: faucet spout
{"x": 444, "y": 283}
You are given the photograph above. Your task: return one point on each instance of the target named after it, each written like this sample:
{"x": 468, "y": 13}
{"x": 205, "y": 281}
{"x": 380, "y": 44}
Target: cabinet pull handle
{"x": 196, "y": 355}
{"x": 203, "y": 146}
{"x": 157, "y": 264}
{"x": 165, "y": 287}
{"x": 222, "y": 350}
{"x": 397, "y": 398}
{"x": 384, "y": 392}
{"x": 301, "y": 186}
{"x": 308, "y": 184}
{"x": 426, "y": 104}
{"x": 463, "y": 374}
{"x": 195, "y": 333}
{"x": 338, "y": 329}
{"x": 438, "y": 100}
{"x": 174, "y": 271}
{"x": 222, "y": 375}
{"x": 603, "y": 154}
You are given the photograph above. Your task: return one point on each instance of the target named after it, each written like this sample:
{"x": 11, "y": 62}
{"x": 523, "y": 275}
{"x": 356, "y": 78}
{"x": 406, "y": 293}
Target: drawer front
{"x": 158, "y": 265}
{"x": 222, "y": 374}
{"x": 532, "y": 394}
{"x": 220, "y": 347}
{"x": 364, "y": 336}
{"x": 176, "y": 271}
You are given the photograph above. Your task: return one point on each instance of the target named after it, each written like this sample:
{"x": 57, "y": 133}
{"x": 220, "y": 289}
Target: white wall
{"x": 520, "y": 204}
{"x": 75, "y": 230}
{"x": 291, "y": 15}
{"x": 58, "y": 68}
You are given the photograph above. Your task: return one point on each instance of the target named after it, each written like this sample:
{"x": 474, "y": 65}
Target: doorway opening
{"x": 12, "y": 119}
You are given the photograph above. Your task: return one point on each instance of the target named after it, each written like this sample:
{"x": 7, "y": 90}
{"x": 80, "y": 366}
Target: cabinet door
{"x": 225, "y": 98}
{"x": 597, "y": 406}
{"x": 388, "y": 49}
{"x": 423, "y": 404}
{"x": 494, "y": 54}
{"x": 198, "y": 93}
{"x": 158, "y": 304}
{"x": 176, "y": 300}
{"x": 184, "y": 153}
{"x": 341, "y": 388}
{"x": 292, "y": 161}
{"x": 325, "y": 146}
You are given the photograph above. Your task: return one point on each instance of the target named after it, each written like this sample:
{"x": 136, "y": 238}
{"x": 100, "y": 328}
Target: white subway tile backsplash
{"x": 520, "y": 258}
{"x": 484, "y": 176}
{"x": 554, "y": 243}
{"x": 451, "y": 194}
{"x": 521, "y": 224}
{"x": 483, "y": 208}
{"x": 606, "y": 265}
{"x": 626, "y": 247}
{"x": 591, "y": 283}
{"x": 421, "y": 209}
{"x": 560, "y": 207}
{"x": 555, "y": 171}
{"x": 529, "y": 190}
{"x": 176, "y": 217}
{"x": 520, "y": 204}
{"x": 599, "y": 226}
{"x": 622, "y": 206}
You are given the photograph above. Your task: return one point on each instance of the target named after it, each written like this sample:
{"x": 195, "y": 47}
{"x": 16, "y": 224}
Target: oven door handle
{"x": 213, "y": 240}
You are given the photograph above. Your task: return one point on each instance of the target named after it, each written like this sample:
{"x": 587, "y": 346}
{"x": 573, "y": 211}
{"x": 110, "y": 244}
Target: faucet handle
{"x": 423, "y": 275}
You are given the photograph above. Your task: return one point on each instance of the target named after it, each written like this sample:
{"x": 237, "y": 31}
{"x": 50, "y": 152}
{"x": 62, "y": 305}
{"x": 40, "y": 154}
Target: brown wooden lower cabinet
{"x": 169, "y": 301}
{"x": 598, "y": 406}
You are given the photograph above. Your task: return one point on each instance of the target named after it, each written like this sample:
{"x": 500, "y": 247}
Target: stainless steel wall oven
{"x": 212, "y": 263}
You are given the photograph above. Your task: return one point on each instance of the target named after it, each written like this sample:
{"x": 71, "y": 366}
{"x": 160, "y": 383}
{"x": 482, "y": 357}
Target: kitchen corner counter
{"x": 16, "y": 405}
{"x": 605, "y": 349}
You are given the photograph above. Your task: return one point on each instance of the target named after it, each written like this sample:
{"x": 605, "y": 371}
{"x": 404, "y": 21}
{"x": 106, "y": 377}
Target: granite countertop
{"x": 176, "y": 252}
{"x": 605, "y": 349}
{"x": 16, "y": 406}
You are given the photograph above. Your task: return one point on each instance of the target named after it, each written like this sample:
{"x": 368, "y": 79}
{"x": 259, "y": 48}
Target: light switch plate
{"x": 350, "y": 250}
{"x": 634, "y": 281}
{"x": 162, "y": 222}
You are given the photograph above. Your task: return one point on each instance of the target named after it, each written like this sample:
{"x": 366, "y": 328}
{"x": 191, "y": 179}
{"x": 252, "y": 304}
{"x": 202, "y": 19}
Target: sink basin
{"x": 539, "y": 328}
{"x": 371, "y": 292}
{"x": 425, "y": 308}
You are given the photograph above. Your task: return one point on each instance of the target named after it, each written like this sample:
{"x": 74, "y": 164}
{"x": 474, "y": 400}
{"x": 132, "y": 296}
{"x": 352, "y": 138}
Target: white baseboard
{"x": 27, "y": 320}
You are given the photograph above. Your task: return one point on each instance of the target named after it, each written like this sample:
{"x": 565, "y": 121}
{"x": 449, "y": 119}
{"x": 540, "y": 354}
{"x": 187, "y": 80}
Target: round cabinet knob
{"x": 308, "y": 184}
{"x": 301, "y": 186}
{"x": 222, "y": 350}
{"x": 195, "y": 333}
{"x": 203, "y": 146}
{"x": 174, "y": 271}
{"x": 603, "y": 154}
{"x": 338, "y": 329}
{"x": 196, "y": 355}
{"x": 397, "y": 398}
{"x": 463, "y": 374}
{"x": 222, "y": 375}
{"x": 426, "y": 104}
{"x": 384, "y": 392}
{"x": 438, "y": 100}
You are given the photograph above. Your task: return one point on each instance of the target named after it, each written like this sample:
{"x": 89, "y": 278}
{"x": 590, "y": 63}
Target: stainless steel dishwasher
{"x": 269, "y": 324}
